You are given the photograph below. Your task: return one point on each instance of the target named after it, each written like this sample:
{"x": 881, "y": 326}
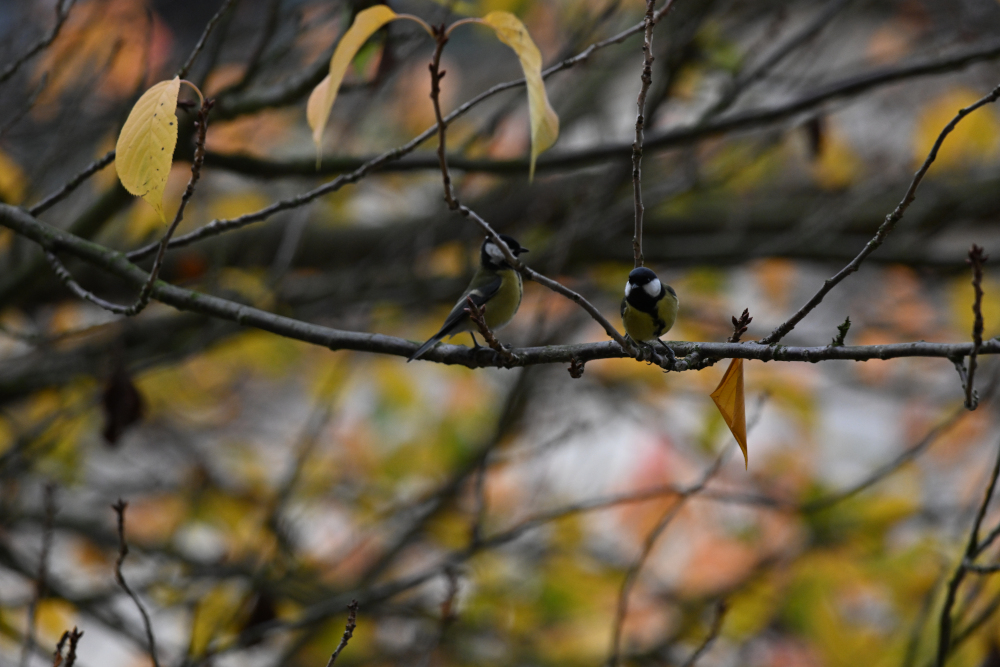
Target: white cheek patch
{"x": 628, "y": 288}
{"x": 495, "y": 252}
{"x": 652, "y": 287}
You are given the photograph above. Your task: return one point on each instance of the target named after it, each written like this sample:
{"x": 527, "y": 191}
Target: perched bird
{"x": 496, "y": 285}
{"x": 649, "y": 308}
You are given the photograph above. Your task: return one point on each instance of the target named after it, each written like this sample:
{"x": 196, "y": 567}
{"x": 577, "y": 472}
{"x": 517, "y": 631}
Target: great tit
{"x": 649, "y": 308}
{"x": 496, "y": 285}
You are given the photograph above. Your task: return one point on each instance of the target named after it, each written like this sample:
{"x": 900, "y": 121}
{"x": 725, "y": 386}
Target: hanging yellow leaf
{"x": 366, "y": 23}
{"x": 729, "y": 398}
{"x": 146, "y": 144}
{"x": 544, "y": 121}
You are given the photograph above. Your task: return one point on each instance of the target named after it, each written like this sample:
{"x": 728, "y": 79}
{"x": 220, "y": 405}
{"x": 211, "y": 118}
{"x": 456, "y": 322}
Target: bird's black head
{"x": 643, "y": 287}
{"x": 492, "y": 256}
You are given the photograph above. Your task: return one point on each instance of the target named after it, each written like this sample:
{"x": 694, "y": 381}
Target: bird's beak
{"x": 522, "y": 251}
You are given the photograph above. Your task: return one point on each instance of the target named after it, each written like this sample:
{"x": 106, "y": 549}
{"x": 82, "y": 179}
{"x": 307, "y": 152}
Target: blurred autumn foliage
{"x": 503, "y": 516}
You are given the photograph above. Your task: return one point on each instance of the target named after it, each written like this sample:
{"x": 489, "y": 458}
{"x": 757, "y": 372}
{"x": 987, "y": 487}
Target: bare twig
{"x": 972, "y": 548}
{"x": 209, "y": 27}
{"x": 632, "y": 574}
{"x": 976, "y": 258}
{"x": 74, "y": 639}
{"x": 201, "y": 128}
{"x": 455, "y": 205}
{"x": 43, "y": 570}
{"x": 63, "y": 274}
{"x": 62, "y": 12}
{"x": 119, "y": 509}
{"x": 28, "y": 106}
{"x": 640, "y": 121}
{"x": 352, "y": 617}
{"x": 75, "y": 182}
{"x": 219, "y": 226}
{"x": 884, "y": 229}
{"x": 146, "y": 291}
{"x": 478, "y": 317}
{"x": 441, "y": 36}
{"x": 713, "y": 634}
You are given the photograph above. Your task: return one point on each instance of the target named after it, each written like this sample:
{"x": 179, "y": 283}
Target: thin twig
{"x": 884, "y": 229}
{"x": 201, "y": 128}
{"x": 71, "y": 185}
{"x": 621, "y": 611}
{"x": 713, "y": 634}
{"x": 63, "y": 274}
{"x": 453, "y": 203}
{"x": 352, "y": 617}
{"x": 209, "y": 27}
{"x": 57, "y": 655}
{"x": 41, "y": 581}
{"x": 640, "y": 121}
{"x": 28, "y": 106}
{"x": 62, "y": 12}
{"x": 119, "y": 509}
{"x": 441, "y": 37}
{"x": 478, "y": 317}
{"x": 972, "y": 548}
{"x": 976, "y": 258}
{"x": 74, "y": 639}
{"x": 147, "y": 288}
{"x": 219, "y": 226}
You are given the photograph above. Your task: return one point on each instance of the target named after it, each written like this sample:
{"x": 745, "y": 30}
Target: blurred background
{"x": 500, "y": 517}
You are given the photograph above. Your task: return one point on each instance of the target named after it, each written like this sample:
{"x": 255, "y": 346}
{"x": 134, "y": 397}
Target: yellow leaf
{"x": 146, "y": 144}
{"x": 366, "y": 23}
{"x": 728, "y": 397}
{"x": 544, "y": 121}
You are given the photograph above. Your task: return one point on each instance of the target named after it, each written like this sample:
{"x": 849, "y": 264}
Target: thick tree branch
{"x": 116, "y": 263}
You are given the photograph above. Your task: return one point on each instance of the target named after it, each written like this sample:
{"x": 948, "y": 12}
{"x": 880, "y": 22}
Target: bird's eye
{"x": 652, "y": 287}
{"x": 628, "y": 288}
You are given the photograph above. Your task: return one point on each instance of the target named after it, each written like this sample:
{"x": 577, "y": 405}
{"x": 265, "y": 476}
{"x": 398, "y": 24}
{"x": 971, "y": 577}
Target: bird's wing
{"x": 481, "y": 291}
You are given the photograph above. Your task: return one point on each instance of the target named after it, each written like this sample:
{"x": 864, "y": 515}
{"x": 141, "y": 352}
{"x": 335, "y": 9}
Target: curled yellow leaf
{"x": 146, "y": 144}
{"x": 544, "y": 121}
{"x": 366, "y": 23}
{"x": 729, "y": 398}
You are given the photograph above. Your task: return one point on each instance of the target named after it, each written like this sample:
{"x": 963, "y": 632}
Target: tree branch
{"x": 971, "y": 550}
{"x": 352, "y": 616}
{"x": 119, "y": 509}
{"x": 667, "y": 139}
{"x": 976, "y": 258}
{"x": 62, "y": 12}
{"x": 884, "y": 229}
{"x": 209, "y": 27}
{"x": 640, "y": 121}
{"x": 116, "y": 263}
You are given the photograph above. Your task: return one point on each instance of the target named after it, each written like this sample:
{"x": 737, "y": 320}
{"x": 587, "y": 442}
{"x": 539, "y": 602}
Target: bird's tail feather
{"x": 428, "y": 345}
